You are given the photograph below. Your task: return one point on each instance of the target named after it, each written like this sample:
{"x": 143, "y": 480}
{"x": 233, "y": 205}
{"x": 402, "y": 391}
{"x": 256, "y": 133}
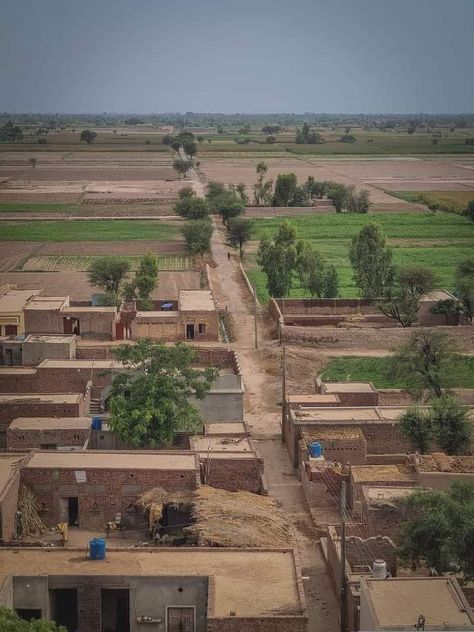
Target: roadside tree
{"x": 371, "y": 261}
{"x": 451, "y": 425}
{"x": 411, "y": 282}
{"x": 239, "y": 233}
{"x": 197, "y": 234}
{"x": 277, "y": 258}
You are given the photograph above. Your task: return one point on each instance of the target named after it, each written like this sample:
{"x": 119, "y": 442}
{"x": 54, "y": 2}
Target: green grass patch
{"x": 87, "y": 230}
{"x": 450, "y": 201}
{"x": 459, "y": 374}
{"x": 34, "y": 207}
{"x": 437, "y": 240}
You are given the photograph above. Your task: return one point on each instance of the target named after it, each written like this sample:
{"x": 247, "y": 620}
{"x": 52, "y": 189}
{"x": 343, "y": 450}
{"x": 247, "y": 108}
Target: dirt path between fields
{"x": 261, "y": 372}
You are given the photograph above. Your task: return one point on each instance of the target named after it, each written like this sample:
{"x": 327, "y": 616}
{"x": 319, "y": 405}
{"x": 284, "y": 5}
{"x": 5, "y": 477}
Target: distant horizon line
{"x": 191, "y": 113}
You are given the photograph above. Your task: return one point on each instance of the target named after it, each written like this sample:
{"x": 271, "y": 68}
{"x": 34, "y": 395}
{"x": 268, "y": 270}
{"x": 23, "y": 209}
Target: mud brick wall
{"x": 43, "y": 321}
{"x": 342, "y": 450}
{"x": 106, "y": 492}
{"x": 367, "y": 337}
{"x": 8, "y": 506}
{"x": 261, "y": 624}
{"x": 384, "y": 520}
{"x": 362, "y": 551}
{"x": 166, "y": 330}
{"x": 54, "y": 380}
{"x": 31, "y": 408}
{"x": 354, "y": 398}
{"x": 18, "y": 439}
{"x": 234, "y": 474}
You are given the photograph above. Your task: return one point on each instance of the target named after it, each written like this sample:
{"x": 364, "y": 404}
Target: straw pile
{"x": 223, "y": 518}
{"x": 238, "y": 519}
{"x": 28, "y": 505}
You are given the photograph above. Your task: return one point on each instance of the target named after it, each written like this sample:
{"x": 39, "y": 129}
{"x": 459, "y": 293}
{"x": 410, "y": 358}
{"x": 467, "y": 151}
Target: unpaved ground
{"x": 374, "y": 174}
{"x": 76, "y": 285}
{"x": 262, "y": 379}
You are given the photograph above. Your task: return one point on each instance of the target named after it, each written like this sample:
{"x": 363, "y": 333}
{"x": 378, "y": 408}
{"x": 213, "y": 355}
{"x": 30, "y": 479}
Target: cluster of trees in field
{"x": 112, "y": 274}
{"x": 287, "y": 192}
{"x": 397, "y": 290}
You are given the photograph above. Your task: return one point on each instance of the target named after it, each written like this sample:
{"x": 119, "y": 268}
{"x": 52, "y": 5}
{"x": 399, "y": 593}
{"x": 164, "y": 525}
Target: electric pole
{"x": 255, "y": 315}
{"x": 343, "y": 559}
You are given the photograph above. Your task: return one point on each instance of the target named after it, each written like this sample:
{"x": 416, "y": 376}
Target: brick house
{"x": 12, "y": 303}
{"x": 48, "y": 433}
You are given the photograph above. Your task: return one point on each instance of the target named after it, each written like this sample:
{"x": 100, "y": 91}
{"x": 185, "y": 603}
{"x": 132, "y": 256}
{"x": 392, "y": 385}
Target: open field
{"x": 437, "y": 240}
{"x": 76, "y": 263}
{"x": 451, "y": 201}
{"x": 460, "y": 373}
{"x": 88, "y": 230}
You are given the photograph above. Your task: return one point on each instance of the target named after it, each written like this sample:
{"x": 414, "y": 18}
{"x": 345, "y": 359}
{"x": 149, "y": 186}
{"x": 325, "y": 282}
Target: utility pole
{"x": 343, "y": 559}
{"x": 255, "y": 315}
{"x": 283, "y": 391}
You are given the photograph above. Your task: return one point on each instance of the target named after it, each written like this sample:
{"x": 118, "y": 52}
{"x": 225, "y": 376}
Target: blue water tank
{"x": 315, "y": 449}
{"x": 96, "y": 422}
{"x": 97, "y": 549}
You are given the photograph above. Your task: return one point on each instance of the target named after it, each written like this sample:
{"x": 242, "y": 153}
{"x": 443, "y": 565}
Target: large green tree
{"x": 197, "y": 234}
{"x": 411, "y": 282}
{"x": 440, "y": 531}
{"x": 87, "y": 136}
{"x": 371, "y": 260}
{"x": 192, "y": 207}
{"x": 11, "y": 622}
{"x": 451, "y": 425}
{"x": 144, "y": 281}
{"x": 277, "y": 257}
{"x": 262, "y": 190}
{"x": 423, "y": 361}
{"x": 239, "y": 232}
{"x": 109, "y": 273}
{"x": 287, "y": 191}
{"x": 313, "y": 272}
{"x": 149, "y": 402}
{"x": 416, "y": 424}
{"x": 10, "y": 132}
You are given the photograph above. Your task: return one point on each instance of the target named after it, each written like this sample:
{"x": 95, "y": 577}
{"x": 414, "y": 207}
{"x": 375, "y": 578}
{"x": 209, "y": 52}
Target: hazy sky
{"x": 236, "y": 56}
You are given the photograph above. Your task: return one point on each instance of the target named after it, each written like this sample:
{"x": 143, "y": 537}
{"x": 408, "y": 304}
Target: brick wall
{"x": 105, "y": 493}
{"x": 55, "y": 380}
{"x": 384, "y": 520}
{"x": 33, "y": 408}
{"x": 234, "y": 474}
{"x": 43, "y": 321}
{"x": 18, "y": 439}
{"x": 260, "y": 624}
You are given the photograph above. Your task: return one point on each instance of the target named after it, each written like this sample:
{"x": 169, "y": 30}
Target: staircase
{"x": 94, "y": 407}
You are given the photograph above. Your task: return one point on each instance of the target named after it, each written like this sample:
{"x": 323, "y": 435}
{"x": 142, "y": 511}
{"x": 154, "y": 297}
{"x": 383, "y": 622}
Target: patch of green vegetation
{"x": 437, "y": 240}
{"x": 449, "y": 201}
{"x": 87, "y": 230}
{"x": 459, "y": 374}
{"x": 36, "y": 207}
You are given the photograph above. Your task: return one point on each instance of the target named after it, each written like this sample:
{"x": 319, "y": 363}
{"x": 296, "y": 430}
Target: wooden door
{"x": 180, "y": 619}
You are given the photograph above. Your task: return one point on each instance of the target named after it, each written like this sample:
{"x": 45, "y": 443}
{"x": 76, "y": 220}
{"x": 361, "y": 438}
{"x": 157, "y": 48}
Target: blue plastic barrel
{"x": 96, "y": 422}
{"x": 97, "y": 549}
{"x": 315, "y": 449}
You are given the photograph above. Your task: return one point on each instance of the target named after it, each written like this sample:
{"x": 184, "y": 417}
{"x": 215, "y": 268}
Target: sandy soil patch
{"x": 76, "y": 285}
{"x": 13, "y": 252}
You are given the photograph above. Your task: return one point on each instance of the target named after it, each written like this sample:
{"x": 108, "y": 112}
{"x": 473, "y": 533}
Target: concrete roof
{"x": 398, "y": 601}
{"x": 71, "y": 309}
{"x": 41, "y": 398}
{"x": 47, "y": 302}
{"x": 378, "y": 495}
{"x": 7, "y": 462}
{"x": 15, "y": 300}
{"x": 113, "y": 460}
{"x": 374, "y": 473}
{"x": 143, "y": 317}
{"x": 80, "y": 364}
{"x": 50, "y": 423}
{"x": 221, "y": 444}
{"x": 224, "y": 428}
{"x": 250, "y": 583}
{"x": 348, "y": 387}
{"x": 196, "y": 301}
{"x": 314, "y": 398}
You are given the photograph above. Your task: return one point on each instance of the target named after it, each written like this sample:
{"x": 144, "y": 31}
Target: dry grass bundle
{"x": 28, "y": 505}
{"x": 154, "y": 499}
{"x": 239, "y": 519}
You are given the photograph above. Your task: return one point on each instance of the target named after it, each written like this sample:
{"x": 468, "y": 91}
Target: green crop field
{"x": 437, "y": 240}
{"x": 451, "y": 201}
{"x": 87, "y": 230}
{"x": 82, "y": 263}
{"x": 459, "y": 374}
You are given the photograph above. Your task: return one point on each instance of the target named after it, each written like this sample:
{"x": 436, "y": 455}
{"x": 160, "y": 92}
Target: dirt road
{"x": 262, "y": 381}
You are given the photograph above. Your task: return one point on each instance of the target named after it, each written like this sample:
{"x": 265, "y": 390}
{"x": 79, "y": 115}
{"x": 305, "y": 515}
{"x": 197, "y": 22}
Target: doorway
{"x": 69, "y": 510}
{"x": 180, "y": 619}
{"x": 63, "y": 604}
{"x": 71, "y": 325}
{"x": 115, "y": 610}
{"x": 189, "y": 332}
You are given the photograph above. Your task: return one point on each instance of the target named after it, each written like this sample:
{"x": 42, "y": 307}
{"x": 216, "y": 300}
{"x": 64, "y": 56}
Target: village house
{"x": 12, "y": 304}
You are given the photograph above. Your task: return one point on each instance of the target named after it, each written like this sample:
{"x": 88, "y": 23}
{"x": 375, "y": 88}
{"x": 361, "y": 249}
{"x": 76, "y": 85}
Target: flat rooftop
{"x": 398, "y": 601}
{"x": 312, "y": 399}
{"x": 71, "y": 309}
{"x": 41, "y": 398}
{"x": 47, "y": 302}
{"x": 7, "y": 464}
{"x": 221, "y": 444}
{"x": 152, "y": 316}
{"x": 223, "y": 428}
{"x": 364, "y": 414}
{"x": 50, "y": 423}
{"x": 374, "y": 473}
{"x": 196, "y": 301}
{"x": 250, "y": 583}
{"x": 80, "y": 364}
{"x": 348, "y": 387}
{"x": 66, "y": 339}
{"x": 15, "y": 300}
{"x": 12, "y": 370}
{"x": 113, "y": 460}
{"x": 332, "y": 433}
{"x": 380, "y": 496}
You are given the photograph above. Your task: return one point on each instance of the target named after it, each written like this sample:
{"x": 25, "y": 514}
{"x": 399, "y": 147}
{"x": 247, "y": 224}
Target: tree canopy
{"x": 11, "y": 622}
{"x": 277, "y": 257}
{"x": 197, "y": 234}
{"x": 239, "y": 232}
{"x": 440, "y": 533}
{"x": 371, "y": 260}
{"x": 192, "y": 207}
{"x": 109, "y": 273}
{"x": 10, "y": 132}
{"x": 149, "y": 402}
{"x": 88, "y": 136}
{"x": 144, "y": 281}
{"x": 411, "y": 282}
{"x": 465, "y": 286}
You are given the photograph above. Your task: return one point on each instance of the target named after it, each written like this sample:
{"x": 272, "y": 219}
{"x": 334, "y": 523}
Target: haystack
{"x": 154, "y": 499}
{"x": 28, "y": 516}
